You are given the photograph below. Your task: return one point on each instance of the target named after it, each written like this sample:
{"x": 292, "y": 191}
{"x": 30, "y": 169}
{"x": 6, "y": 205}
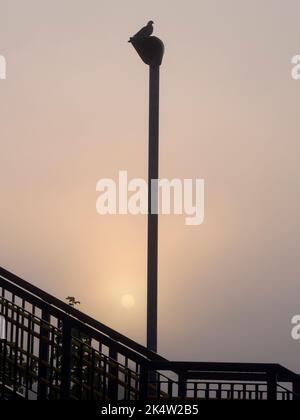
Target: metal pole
{"x": 151, "y": 51}
{"x": 153, "y": 209}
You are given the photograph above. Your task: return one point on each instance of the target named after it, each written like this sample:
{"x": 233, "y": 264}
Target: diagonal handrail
{"x": 272, "y": 374}
{"x": 86, "y": 319}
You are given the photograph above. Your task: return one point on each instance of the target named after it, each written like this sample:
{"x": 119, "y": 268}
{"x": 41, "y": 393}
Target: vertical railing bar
{"x": 66, "y": 360}
{"x": 11, "y": 339}
{"x": 2, "y": 300}
{"x": 244, "y": 391}
{"x": 256, "y": 391}
{"x": 182, "y": 383}
{"x": 92, "y": 374}
{"x": 80, "y": 369}
{"x": 113, "y": 374}
{"x": 195, "y": 390}
{"x": 5, "y": 367}
{"x": 136, "y": 381}
{"x": 4, "y": 344}
{"x": 232, "y": 391}
{"x": 170, "y": 388}
{"x": 22, "y": 323}
{"x": 32, "y": 349}
{"x": 143, "y": 382}
{"x": 51, "y": 373}
{"x": 104, "y": 377}
{"x": 58, "y": 357}
{"x": 89, "y": 368}
{"x": 16, "y": 355}
{"x": 43, "y": 355}
{"x": 271, "y": 385}
{"x": 28, "y": 356}
{"x": 207, "y": 391}
{"x": 296, "y": 390}
{"x": 158, "y": 385}
{"x": 4, "y": 364}
{"x": 99, "y": 364}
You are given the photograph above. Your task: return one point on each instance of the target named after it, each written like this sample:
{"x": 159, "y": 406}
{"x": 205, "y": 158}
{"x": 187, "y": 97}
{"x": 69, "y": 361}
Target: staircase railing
{"x": 241, "y": 381}
{"x": 53, "y": 351}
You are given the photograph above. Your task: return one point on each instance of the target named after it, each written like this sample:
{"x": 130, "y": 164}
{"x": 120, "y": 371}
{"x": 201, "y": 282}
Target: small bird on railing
{"x": 145, "y": 32}
{"x": 72, "y": 301}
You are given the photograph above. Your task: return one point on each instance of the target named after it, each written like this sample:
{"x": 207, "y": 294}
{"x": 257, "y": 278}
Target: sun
{"x": 127, "y": 301}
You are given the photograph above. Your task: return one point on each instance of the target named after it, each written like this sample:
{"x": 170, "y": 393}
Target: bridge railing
{"x": 53, "y": 351}
{"x": 241, "y": 381}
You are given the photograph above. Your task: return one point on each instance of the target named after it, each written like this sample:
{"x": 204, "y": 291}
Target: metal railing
{"x": 52, "y": 351}
{"x": 224, "y": 381}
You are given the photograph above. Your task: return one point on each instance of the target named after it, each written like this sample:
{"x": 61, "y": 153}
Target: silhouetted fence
{"x": 52, "y": 351}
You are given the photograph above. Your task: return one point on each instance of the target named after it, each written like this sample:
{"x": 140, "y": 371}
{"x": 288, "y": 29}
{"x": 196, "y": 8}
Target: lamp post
{"x": 151, "y": 51}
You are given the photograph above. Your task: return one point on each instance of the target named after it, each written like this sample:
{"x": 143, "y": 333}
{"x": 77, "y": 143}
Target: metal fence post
{"x": 43, "y": 356}
{"x": 66, "y": 362}
{"x": 113, "y": 375}
{"x": 143, "y": 383}
{"x": 3, "y": 352}
{"x": 296, "y": 390}
{"x": 271, "y": 386}
{"x": 182, "y": 385}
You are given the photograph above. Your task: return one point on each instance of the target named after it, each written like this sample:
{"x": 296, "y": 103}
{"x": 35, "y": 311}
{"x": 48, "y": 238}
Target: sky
{"x": 74, "y": 110}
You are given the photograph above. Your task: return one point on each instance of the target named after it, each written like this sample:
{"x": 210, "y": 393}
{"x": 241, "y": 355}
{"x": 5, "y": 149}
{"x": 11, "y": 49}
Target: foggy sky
{"x": 74, "y": 109}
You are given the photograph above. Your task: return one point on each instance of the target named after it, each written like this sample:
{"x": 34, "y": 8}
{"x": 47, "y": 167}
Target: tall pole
{"x": 153, "y": 169}
{"x": 151, "y": 50}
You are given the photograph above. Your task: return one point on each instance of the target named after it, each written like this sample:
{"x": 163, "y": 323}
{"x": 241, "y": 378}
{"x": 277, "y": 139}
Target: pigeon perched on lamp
{"x": 145, "y": 32}
{"x": 149, "y": 47}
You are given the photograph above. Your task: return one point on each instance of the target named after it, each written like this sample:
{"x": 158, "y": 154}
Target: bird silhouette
{"x": 145, "y": 32}
{"x": 72, "y": 301}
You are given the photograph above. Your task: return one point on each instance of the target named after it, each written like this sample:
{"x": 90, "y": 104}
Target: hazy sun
{"x": 127, "y": 301}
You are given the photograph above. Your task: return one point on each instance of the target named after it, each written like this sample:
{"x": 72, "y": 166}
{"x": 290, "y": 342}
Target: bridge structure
{"x": 52, "y": 351}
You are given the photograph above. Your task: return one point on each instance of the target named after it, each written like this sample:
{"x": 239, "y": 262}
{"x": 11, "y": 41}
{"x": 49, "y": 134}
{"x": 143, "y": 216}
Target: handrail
{"x": 194, "y": 369}
{"x": 272, "y": 375}
{"x": 75, "y": 323}
{"x": 86, "y": 319}
{"x": 215, "y": 367}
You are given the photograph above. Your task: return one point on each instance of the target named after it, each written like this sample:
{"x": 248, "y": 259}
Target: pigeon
{"x": 145, "y": 32}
